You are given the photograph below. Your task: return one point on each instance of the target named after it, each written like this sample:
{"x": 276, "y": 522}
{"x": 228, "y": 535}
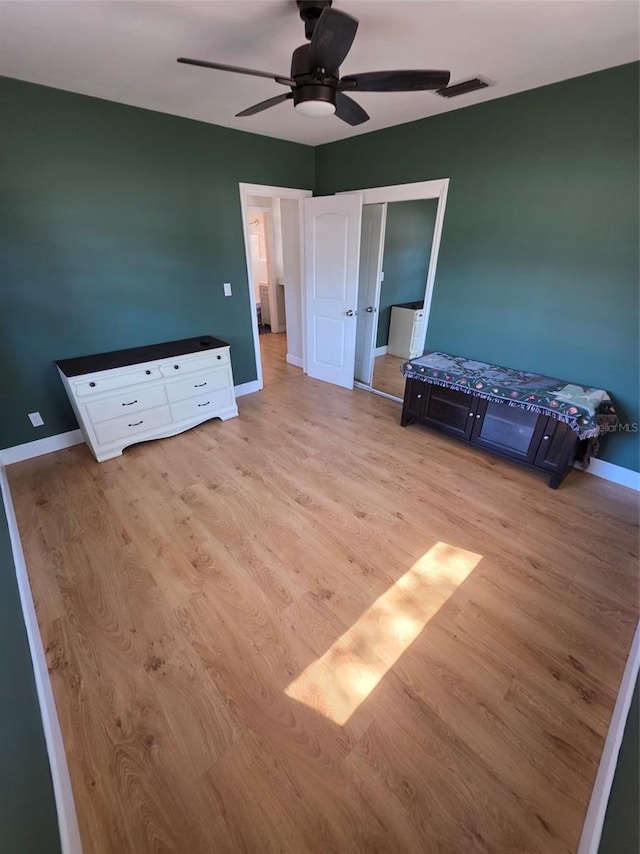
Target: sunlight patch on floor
{"x": 338, "y": 682}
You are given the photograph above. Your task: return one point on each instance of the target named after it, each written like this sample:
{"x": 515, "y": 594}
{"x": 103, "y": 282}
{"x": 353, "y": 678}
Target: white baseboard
{"x": 380, "y": 351}
{"x": 614, "y": 473}
{"x": 594, "y": 821}
{"x": 247, "y": 388}
{"x": 65, "y": 805}
{"x": 294, "y": 360}
{"x": 29, "y": 450}
{"x": 41, "y": 446}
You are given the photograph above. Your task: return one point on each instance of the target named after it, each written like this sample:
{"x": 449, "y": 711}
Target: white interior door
{"x": 332, "y": 254}
{"x": 371, "y": 246}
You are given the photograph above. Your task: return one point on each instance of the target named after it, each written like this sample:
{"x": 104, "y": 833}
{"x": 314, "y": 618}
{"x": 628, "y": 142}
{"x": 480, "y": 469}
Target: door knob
{"x": 350, "y": 313}
{"x": 370, "y": 309}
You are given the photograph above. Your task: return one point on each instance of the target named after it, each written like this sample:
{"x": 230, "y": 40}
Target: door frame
{"x": 271, "y": 192}
{"x": 436, "y": 189}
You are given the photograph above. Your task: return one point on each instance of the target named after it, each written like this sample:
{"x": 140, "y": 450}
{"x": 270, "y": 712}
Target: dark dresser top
{"x": 136, "y": 355}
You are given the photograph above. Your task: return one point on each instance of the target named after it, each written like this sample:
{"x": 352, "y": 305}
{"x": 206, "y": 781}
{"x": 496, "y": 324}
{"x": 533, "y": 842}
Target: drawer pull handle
{"x": 148, "y": 373}
{"x": 219, "y": 357}
{"x": 199, "y": 385}
{"x": 175, "y": 367}
{"x": 205, "y": 404}
{"x": 131, "y": 402}
{"x": 136, "y": 424}
{"x": 93, "y": 385}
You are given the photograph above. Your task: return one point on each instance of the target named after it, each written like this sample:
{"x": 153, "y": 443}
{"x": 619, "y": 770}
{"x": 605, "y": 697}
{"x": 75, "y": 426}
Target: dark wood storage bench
{"x": 539, "y": 441}
{"x": 539, "y": 421}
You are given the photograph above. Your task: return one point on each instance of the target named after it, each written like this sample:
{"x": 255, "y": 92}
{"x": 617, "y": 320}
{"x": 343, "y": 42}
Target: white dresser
{"x": 405, "y": 330}
{"x": 130, "y": 396}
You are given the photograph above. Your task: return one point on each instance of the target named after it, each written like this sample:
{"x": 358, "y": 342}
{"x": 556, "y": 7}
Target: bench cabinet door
{"x": 508, "y": 430}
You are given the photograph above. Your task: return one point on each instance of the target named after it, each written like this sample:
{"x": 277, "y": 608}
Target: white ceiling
{"x": 125, "y": 51}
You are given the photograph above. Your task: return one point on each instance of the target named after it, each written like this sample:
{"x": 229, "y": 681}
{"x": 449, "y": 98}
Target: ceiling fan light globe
{"x": 315, "y": 109}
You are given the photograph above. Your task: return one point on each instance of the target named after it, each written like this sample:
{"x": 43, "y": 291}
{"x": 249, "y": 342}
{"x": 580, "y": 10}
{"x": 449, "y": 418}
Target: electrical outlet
{"x": 227, "y": 289}
{"x": 36, "y": 419}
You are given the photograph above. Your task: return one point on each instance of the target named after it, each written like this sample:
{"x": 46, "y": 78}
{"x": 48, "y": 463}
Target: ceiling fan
{"x": 316, "y": 86}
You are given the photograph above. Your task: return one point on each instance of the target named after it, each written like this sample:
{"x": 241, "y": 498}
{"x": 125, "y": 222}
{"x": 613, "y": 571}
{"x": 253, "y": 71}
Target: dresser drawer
{"x": 213, "y": 402}
{"x": 198, "y": 384}
{"x": 132, "y": 425}
{"x": 186, "y": 365}
{"x": 125, "y": 403}
{"x": 108, "y": 381}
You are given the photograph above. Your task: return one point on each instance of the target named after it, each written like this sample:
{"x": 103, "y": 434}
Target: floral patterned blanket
{"x": 584, "y": 409}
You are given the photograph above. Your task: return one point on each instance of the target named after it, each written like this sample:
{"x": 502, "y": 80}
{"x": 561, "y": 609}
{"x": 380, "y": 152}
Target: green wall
{"x": 407, "y": 250}
{"x": 118, "y": 227}
{"x": 538, "y": 267}
{"x": 29, "y": 823}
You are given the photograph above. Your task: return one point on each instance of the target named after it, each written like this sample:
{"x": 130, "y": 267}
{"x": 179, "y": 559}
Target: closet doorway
{"x": 349, "y": 314}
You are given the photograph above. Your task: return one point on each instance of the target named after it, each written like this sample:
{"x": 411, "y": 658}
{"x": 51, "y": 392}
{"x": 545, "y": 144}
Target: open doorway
{"x": 263, "y": 270}
{"x": 272, "y": 228}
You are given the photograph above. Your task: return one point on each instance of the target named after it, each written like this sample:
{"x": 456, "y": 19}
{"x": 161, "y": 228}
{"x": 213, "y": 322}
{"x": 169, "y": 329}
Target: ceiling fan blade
{"x": 331, "y": 41}
{"x": 350, "y": 111}
{"x": 279, "y": 78}
{"x": 395, "y": 81}
{"x": 264, "y": 105}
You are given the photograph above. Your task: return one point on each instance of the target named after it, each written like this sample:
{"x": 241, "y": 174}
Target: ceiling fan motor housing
{"x": 310, "y": 88}
{"x": 314, "y": 92}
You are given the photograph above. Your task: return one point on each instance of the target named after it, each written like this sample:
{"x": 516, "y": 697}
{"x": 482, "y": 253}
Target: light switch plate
{"x": 36, "y": 419}
{"x": 227, "y": 289}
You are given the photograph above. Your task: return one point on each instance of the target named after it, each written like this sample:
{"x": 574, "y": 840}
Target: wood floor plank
{"x": 184, "y": 589}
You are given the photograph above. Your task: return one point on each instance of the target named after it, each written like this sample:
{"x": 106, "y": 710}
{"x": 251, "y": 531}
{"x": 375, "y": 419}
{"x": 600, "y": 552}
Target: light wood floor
{"x": 185, "y": 587}
{"x": 387, "y": 375}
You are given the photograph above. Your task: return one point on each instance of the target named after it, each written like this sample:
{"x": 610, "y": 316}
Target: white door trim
{"x": 273, "y": 193}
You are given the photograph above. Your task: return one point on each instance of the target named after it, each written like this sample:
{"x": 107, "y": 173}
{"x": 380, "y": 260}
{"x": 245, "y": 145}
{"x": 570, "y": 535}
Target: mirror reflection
{"x": 395, "y": 251}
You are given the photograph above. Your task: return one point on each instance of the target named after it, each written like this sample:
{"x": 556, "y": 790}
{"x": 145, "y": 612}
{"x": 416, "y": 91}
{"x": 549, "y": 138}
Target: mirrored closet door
{"x": 395, "y": 254}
